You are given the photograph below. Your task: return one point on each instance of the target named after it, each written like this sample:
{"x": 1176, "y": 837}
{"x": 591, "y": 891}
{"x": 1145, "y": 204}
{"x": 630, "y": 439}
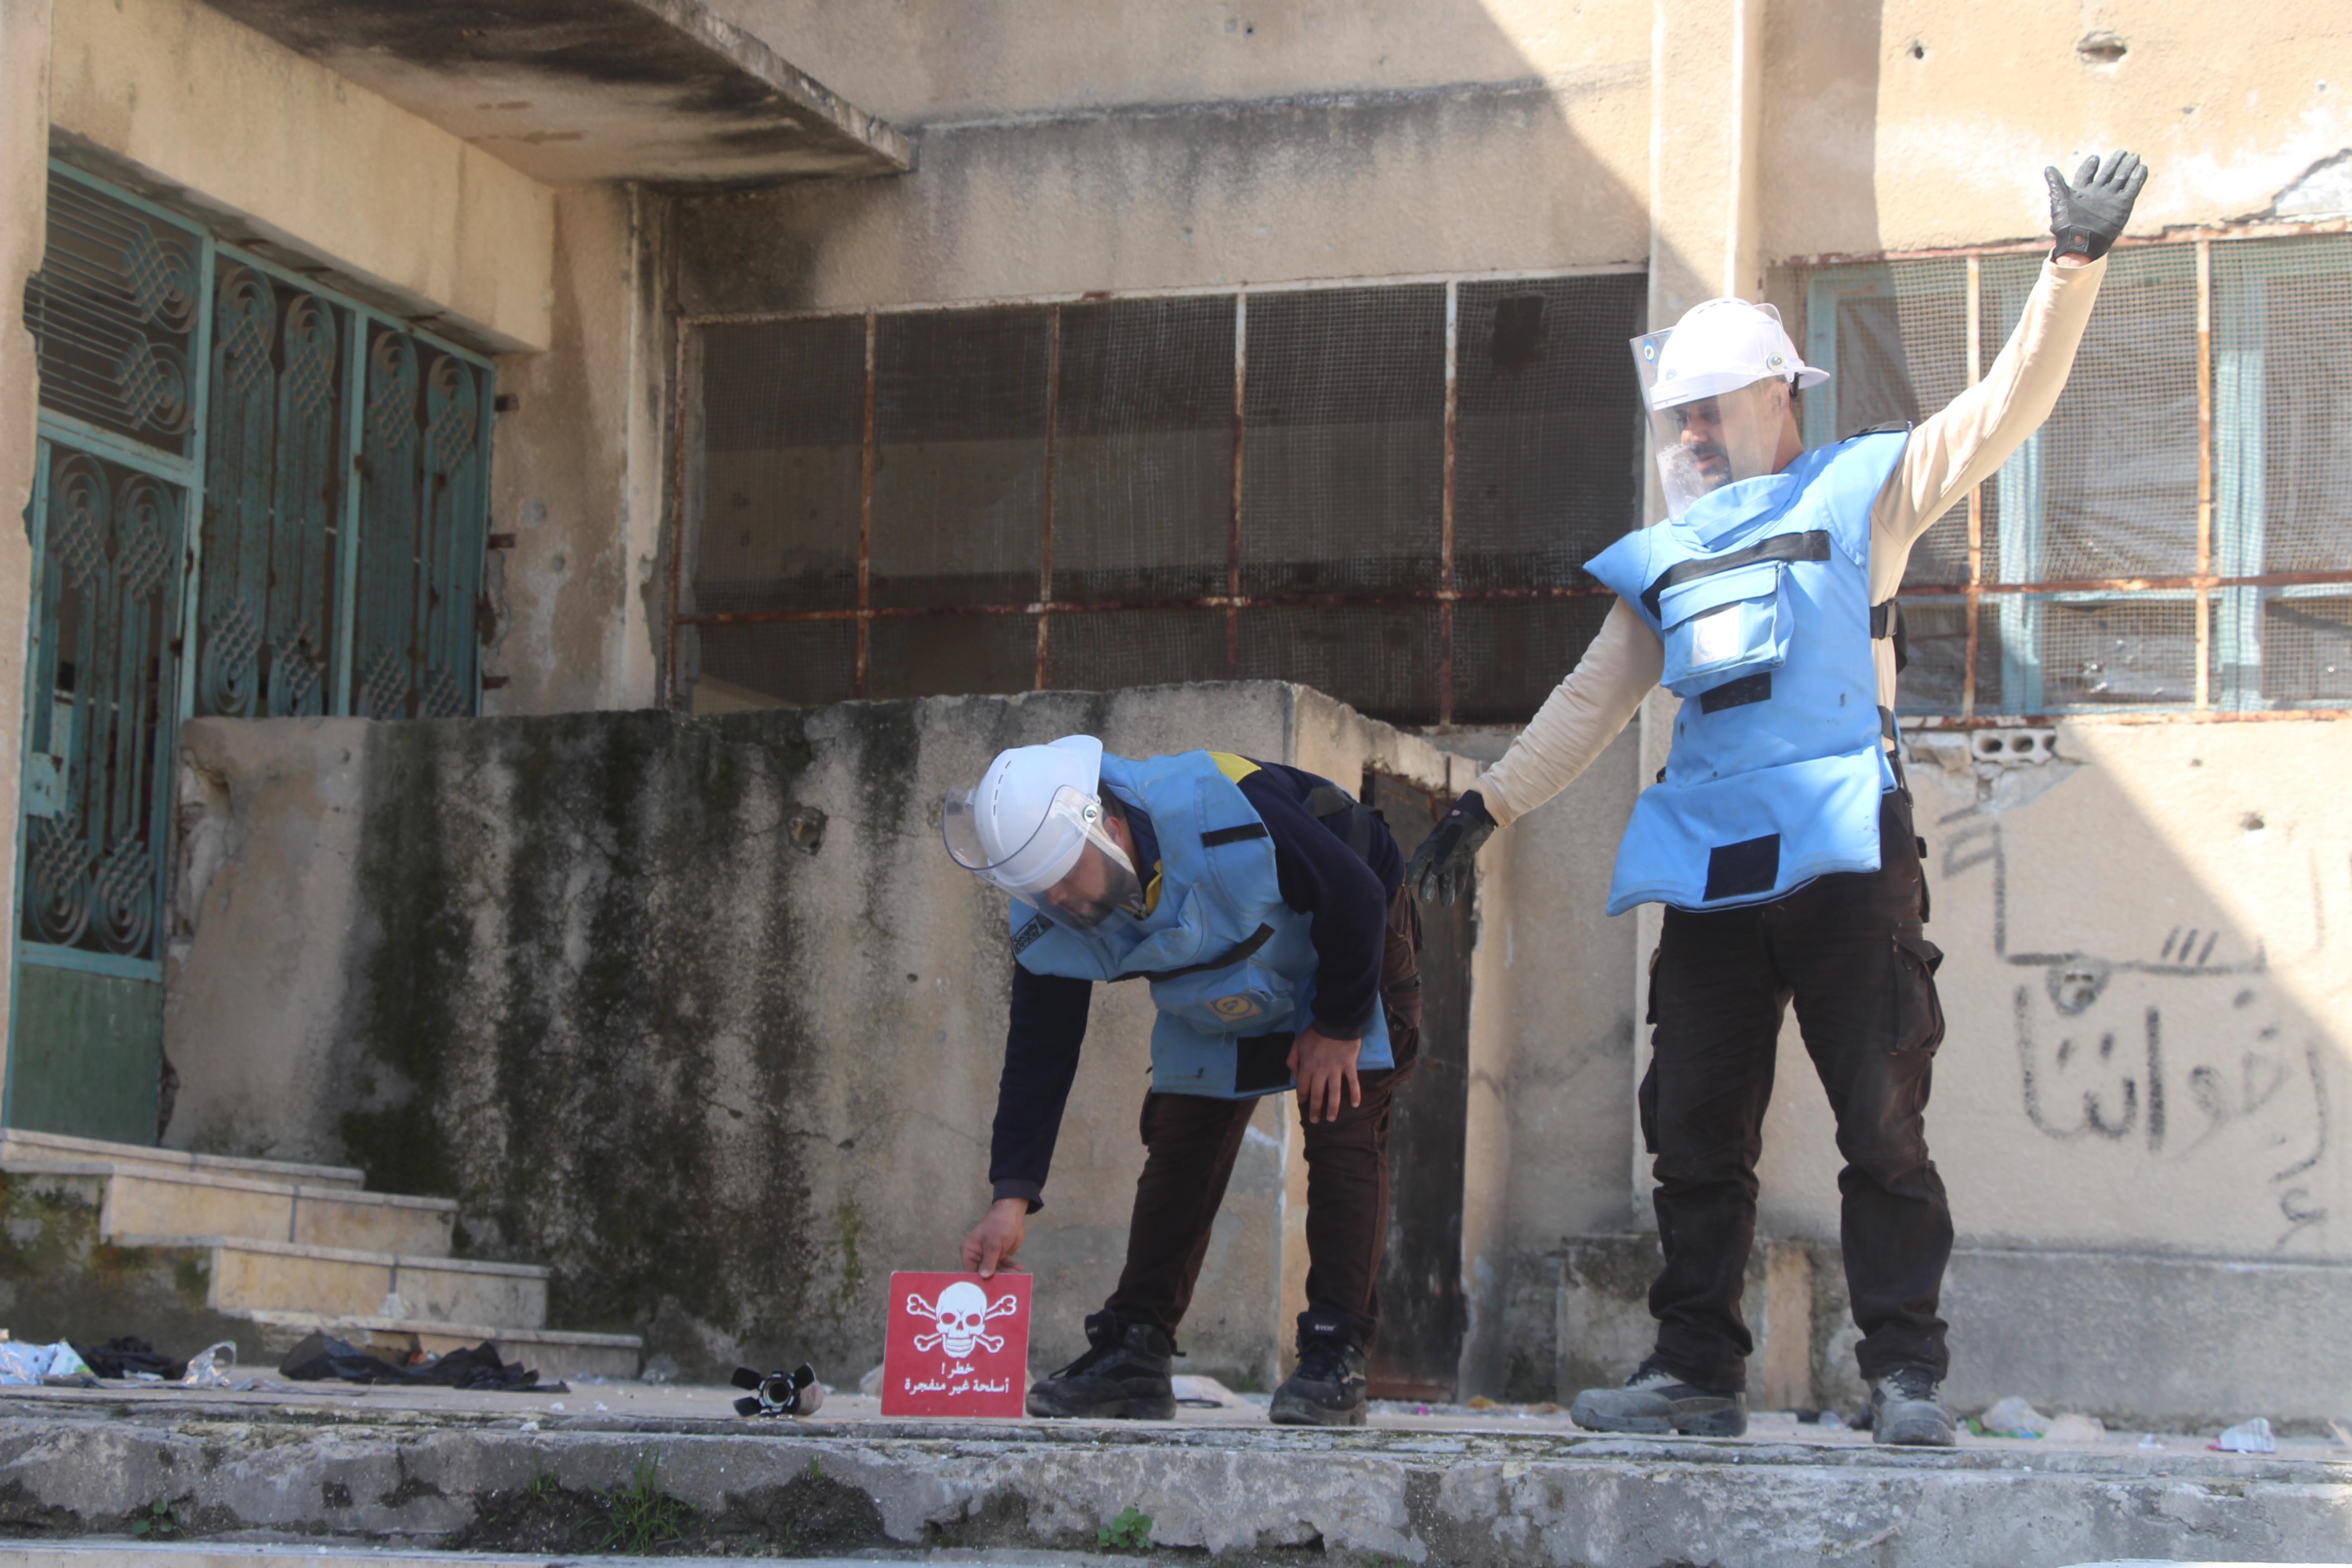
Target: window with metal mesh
{"x": 1130, "y": 491}
{"x": 2118, "y": 560}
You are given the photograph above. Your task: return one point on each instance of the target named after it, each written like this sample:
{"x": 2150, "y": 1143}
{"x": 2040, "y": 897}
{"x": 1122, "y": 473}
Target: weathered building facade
{"x": 1049, "y": 348}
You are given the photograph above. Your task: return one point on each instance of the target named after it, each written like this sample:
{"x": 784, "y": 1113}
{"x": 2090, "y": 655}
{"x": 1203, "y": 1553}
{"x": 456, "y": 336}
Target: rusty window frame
{"x": 1445, "y": 595}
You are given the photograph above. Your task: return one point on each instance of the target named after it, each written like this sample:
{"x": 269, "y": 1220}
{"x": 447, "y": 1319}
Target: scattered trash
{"x": 1198, "y": 1392}
{"x": 133, "y": 1358}
{"x": 2246, "y": 1438}
{"x": 2150, "y": 1441}
{"x": 1831, "y": 1421}
{"x": 1479, "y": 1402}
{"x": 2075, "y": 1429}
{"x": 23, "y": 1364}
{"x": 322, "y": 1358}
{"x": 529, "y": 1426}
{"x": 2012, "y": 1417}
{"x": 871, "y": 1384}
{"x": 659, "y": 1369}
{"x": 208, "y": 1368}
{"x": 2343, "y": 1432}
{"x": 794, "y": 1393}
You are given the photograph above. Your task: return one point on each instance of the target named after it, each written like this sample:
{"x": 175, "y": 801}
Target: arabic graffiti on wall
{"x": 2188, "y": 1053}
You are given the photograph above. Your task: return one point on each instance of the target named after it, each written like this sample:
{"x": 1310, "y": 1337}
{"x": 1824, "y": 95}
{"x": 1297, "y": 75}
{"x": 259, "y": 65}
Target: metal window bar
{"x": 2228, "y": 595}
{"x": 729, "y": 635}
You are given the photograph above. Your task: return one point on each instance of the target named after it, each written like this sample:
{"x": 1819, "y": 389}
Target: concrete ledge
{"x": 15, "y": 1144}
{"x": 2138, "y": 1339}
{"x": 1438, "y": 1497}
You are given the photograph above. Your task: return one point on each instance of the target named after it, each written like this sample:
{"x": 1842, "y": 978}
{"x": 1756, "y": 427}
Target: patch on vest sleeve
{"x": 1740, "y": 693}
{"x": 1750, "y": 866}
{"x": 1027, "y": 935}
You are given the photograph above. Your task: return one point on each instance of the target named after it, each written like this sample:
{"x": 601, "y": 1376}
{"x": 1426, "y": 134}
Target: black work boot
{"x": 1123, "y": 1377}
{"x": 1327, "y": 1387}
{"x": 1906, "y": 1408}
{"x": 1656, "y": 1402}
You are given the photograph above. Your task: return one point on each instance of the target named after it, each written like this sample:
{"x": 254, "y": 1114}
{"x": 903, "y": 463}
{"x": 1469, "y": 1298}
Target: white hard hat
{"x": 1008, "y": 830}
{"x": 1720, "y": 346}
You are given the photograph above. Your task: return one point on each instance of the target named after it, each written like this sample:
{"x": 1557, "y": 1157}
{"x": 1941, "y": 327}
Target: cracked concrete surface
{"x": 413, "y": 1468}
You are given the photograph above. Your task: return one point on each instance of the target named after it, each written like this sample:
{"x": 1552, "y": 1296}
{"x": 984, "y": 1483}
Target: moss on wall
{"x": 577, "y": 1011}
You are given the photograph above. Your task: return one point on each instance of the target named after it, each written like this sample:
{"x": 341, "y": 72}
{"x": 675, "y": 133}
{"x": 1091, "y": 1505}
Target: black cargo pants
{"x": 1849, "y": 951}
{"x": 1193, "y": 1140}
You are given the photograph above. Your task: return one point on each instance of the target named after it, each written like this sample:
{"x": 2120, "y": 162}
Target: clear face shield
{"x": 1069, "y": 867}
{"x": 1708, "y": 429}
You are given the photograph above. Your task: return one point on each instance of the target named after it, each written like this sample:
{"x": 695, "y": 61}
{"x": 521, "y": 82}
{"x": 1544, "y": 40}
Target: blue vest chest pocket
{"x": 1724, "y": 626}
{"x": 1244, "y": 998}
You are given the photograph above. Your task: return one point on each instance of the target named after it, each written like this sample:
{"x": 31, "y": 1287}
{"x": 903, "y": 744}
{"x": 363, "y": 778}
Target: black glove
{"x": 1441, "y": 867}
{"x": 2088, "y": 216}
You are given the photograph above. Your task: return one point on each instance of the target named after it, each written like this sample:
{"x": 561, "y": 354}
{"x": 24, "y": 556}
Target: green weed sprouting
{"x": 1130, "y": 1532}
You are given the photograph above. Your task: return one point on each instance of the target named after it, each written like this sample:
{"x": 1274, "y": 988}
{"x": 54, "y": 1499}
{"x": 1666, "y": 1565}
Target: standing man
{"x": 1779, "y": 836}
{"x": 1265, "y": 909}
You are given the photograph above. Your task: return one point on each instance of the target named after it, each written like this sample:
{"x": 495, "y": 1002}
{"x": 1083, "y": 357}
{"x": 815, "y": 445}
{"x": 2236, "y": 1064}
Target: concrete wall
{"x": 1135, "y": 147}
{"x": 248, "y": 133}
{"x": 580, "y": 478}
{"x": 694, "y": 1010}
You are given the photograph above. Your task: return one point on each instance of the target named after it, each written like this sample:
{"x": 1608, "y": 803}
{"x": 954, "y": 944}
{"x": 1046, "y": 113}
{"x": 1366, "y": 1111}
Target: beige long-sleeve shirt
{"x": 1947, "y": 456}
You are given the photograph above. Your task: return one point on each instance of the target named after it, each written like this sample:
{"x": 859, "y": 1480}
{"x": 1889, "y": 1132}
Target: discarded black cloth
{"x": 122, "y": 1357}
{"x": 322, "y": 1358}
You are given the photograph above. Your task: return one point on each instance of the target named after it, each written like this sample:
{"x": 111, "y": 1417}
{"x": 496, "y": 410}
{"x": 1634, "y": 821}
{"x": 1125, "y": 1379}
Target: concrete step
{"x": 279, "y": 1277}
{"x": 150, "y": 1201}
{"x": 551, "y": 1352}
{"x": 125, "y": 1552}
{"x": 16, "y": 1144}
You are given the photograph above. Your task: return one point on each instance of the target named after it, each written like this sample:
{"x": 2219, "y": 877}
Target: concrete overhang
{"x": 581, "y": 91}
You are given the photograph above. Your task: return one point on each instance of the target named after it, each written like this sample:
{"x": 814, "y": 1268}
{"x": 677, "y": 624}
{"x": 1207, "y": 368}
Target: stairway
{"x": 291, "y": 1249}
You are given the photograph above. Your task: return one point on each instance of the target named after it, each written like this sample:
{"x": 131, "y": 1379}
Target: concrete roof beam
{"x": 585, "y": 91}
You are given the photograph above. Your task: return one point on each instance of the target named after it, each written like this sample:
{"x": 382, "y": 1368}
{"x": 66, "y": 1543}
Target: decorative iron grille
{"x": 233, "y": 516}
{"x": 2178, "y": 536}
{"x": 1385, "y": 492}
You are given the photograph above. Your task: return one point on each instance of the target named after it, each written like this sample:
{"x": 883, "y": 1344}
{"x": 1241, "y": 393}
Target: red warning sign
{"x": 958, "y": 1345}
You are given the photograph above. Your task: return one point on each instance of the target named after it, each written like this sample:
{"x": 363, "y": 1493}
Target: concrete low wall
{"x": 694, "y": 1010}
{"x": 2142, "y": 1342}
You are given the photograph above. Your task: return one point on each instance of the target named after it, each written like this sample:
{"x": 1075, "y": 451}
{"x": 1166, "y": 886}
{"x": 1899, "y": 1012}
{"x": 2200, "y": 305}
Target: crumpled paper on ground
{"x": 22, "y": 1364}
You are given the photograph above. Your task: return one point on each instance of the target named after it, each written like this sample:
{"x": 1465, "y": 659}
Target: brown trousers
{"x": 1191, "y": 1142}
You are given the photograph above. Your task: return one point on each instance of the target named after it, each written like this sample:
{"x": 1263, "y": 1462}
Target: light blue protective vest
{"x": 1761, "y": 592}
{"x": 1231, "y": 966}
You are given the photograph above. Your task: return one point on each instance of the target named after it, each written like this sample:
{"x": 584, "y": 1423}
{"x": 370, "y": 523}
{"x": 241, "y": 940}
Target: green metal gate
{"x": 253, "y": 498}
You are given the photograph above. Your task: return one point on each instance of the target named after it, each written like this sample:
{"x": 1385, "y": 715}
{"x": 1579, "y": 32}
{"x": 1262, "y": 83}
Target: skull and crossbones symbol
{"x": 961, "y": 1312}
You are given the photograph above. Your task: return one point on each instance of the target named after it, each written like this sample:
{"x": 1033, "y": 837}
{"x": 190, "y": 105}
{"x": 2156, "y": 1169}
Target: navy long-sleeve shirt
{"x": 1346, "y": 901}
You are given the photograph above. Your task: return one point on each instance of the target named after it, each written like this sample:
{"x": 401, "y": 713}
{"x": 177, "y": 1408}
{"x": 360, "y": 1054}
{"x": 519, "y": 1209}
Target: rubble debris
{"x": 2246, "y": 1438}
{"x": 2075, "y": 1429}
{"x": 24, "y": 1364}
{"x": 2012, "y": 1417}
{"x": 209, "y": 1367}
{"x": 322, "y": 1358}
{"x": 129, "y": 1356}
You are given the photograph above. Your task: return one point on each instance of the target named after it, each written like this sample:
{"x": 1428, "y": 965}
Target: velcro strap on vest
{"x": 1893, "y": 734}
{"x": 1234, "y": 954}
{"x": 1813, "y": 545}
{"x": 1886, "y": 621}
{"x": 1217, "y": 836}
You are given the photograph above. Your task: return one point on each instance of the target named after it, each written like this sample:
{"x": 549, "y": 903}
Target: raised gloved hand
{"x": 2088, "y": 216}
{"x": 1441, "y": 867}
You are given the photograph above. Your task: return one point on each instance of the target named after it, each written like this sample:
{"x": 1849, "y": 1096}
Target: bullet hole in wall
{"x": 2101, "y": 48}
{"x": 2251, "y": 822}
{"x": 1918, "y": 51}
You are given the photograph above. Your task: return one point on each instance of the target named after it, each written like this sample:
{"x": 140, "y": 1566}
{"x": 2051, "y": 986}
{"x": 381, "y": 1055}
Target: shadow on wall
{"x": 1251, "y": 159}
